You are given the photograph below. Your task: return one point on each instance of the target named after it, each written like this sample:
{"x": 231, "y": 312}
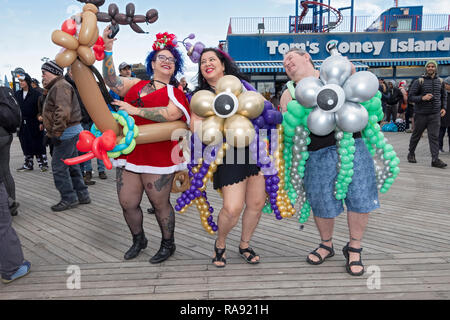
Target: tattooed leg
{"x": 130, "y": 191}
{"x": 157, "y": 188}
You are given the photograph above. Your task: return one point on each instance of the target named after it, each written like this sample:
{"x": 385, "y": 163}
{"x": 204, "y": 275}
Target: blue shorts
{"x": 320, "y": 176}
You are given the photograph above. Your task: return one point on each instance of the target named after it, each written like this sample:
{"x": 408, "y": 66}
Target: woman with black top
{"x": 241, "y": 182}
{"x": 320, "y": 176}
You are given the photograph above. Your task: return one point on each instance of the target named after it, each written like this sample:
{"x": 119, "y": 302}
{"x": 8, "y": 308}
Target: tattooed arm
{"x": 119, "y": 85}
{"x": 158, "y": 114}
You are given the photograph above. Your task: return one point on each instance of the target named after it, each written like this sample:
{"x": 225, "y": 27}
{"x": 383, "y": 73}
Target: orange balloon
{"x": 88, "y": 27}
{"x": 86, "y": 55}
{"x": 66, "y": 58}
{"x": 64, "y": 40}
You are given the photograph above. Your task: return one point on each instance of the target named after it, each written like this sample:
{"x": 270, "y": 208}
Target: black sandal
{"x": 252, "y": 255}
{"x": 321, "y": 260}
{"x": 219, "y": 256}
{"x": 348, "y": 264}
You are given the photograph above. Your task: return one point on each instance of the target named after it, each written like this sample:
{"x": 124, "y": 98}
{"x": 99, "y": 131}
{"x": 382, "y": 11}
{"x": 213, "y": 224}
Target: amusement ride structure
{"x": 324, "y": 16}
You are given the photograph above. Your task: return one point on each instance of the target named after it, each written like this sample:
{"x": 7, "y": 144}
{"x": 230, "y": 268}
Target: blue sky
{"x": 26, "y": 25}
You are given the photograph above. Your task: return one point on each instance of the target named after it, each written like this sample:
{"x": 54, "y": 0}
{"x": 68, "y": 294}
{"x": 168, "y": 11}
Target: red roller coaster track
{"x": 335, "y": 11}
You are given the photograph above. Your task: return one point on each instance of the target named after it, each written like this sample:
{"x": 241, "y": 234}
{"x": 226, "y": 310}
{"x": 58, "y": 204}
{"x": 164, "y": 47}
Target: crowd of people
{"x": 55, "y": 115}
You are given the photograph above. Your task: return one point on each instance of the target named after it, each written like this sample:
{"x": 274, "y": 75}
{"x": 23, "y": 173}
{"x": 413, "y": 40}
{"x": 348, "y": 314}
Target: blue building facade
{"x": 392, "y": 49}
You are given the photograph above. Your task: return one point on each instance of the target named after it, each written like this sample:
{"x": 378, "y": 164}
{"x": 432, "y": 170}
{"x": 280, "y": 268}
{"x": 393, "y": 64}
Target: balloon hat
{"x": 194, "y": 51}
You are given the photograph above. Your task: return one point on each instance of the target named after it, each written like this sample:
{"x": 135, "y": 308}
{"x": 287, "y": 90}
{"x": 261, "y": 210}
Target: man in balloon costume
{"x": 331, "y": 121}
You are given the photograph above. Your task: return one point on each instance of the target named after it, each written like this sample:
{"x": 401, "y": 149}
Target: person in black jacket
{"x": 31, "y": 135}
{"x": 430, "y": 98}
{"x": 394, "y": 96}
{"x": 445, "y": 120}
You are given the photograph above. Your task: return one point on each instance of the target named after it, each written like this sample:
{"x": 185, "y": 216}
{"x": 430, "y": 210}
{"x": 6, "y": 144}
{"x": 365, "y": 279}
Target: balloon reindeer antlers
{"x": 115, "y": 17}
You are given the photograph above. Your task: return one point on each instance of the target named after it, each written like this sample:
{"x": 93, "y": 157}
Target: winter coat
{"x": 30, "y": 135}
{"x": 61, "y": 107}
{"x": 445, "y": 120}
{"x": 419, "y": 88}
{"x": 394, "y": 96}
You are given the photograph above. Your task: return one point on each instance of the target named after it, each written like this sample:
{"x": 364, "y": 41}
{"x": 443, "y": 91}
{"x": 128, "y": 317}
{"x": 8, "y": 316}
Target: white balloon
{"x": 321, "y": 123}
{"x": 307, "y": 90}
{"x": 352, "y": 117}
{"x": 361, "y": 86}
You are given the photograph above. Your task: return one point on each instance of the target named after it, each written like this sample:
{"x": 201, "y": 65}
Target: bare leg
{"x": 233, "y": 203}
{"x": 357, "y": 223}
{"x": 254, "y": 199}
{"x": 325, "y": 227}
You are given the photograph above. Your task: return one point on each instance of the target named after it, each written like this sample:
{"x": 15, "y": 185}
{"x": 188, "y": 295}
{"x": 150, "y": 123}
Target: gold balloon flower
{"x": 227, "y": 112}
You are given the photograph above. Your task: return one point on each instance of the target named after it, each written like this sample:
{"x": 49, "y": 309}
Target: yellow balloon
{"x": 251, "y": 104}
{"x": 202, "y": 103}
{"x": 230, "y": 84}
{"x": 239, "y": 131}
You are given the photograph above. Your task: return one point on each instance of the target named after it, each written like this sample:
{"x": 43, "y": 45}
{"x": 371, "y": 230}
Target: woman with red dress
{"x": 149, "y": 167}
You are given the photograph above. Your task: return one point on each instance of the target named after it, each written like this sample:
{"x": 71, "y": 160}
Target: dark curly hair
{"x": 179, "y": 64}
{"x": 230, "y": 68}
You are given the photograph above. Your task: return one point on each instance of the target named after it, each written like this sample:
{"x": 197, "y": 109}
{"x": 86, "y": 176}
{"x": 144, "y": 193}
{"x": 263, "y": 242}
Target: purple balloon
{"x": 275, "y": 180}
{"x": 211, "y": 210}
{"x": 177, "y": 207}
{"x": 260, "y": 122}
{"x": 193, "y": 187}
{"x": 215, "y": 228}
{"x": 279, "y": 217}
{"x": 197, "y": 193}
{"x": 270, "y": 116}
{"x": 191, "y": 196}
{"x": 210, "y": 218}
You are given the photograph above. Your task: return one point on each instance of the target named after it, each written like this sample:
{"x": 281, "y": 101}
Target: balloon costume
{"x": 82, "y": 46}
{"x": 342, "y": 103}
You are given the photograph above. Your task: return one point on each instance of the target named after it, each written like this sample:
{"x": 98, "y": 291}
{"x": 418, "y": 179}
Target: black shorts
{"x": 231, "y": 172}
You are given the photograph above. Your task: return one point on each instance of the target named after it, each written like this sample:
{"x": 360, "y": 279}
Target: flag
{"x": 5, "y": 82}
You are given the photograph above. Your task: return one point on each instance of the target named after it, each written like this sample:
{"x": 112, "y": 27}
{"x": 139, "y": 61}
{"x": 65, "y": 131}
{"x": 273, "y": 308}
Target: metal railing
{"x": 251, "y": 25}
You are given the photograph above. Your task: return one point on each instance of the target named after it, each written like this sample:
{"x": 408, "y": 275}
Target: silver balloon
{"x": 335, "y": 69}
{"x": 351, "y": 117}
{"x": 321, "y": 123}
{"x": 307, "y": 90}
{"x": 361, "y": 86}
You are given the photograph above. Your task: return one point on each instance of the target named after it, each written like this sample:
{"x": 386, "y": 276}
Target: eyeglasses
{"x": 163, "y": 58}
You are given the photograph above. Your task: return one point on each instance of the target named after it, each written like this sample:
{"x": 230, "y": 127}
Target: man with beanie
{"x": 62, "y": 116}
{"x": 430, "y": 98}
{"x": 30, "y": 134}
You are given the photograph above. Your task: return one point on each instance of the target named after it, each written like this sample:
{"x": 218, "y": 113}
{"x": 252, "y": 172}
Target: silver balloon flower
{"x": 336, "y": 96}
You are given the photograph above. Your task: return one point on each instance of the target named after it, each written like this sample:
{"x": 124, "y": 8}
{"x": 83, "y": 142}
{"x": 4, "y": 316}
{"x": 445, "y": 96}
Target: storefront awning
{"x": 402, "y": 63}
{"x": 277, "y": 66}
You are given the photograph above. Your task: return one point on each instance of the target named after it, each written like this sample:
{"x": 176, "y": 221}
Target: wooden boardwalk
{"x": 406, "y": 246}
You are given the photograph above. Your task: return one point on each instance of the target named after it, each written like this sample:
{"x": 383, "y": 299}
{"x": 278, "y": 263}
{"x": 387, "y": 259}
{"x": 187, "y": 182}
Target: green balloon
{"x": 296, "y": 109}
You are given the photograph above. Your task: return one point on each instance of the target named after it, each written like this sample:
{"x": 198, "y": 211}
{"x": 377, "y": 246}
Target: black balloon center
{"x": 224, "y": 105}
{"x": 327, "y": 99}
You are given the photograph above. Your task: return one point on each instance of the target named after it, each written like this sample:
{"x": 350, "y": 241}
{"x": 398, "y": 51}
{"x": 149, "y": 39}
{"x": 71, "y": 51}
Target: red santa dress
{"x": 159, "y": 157}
